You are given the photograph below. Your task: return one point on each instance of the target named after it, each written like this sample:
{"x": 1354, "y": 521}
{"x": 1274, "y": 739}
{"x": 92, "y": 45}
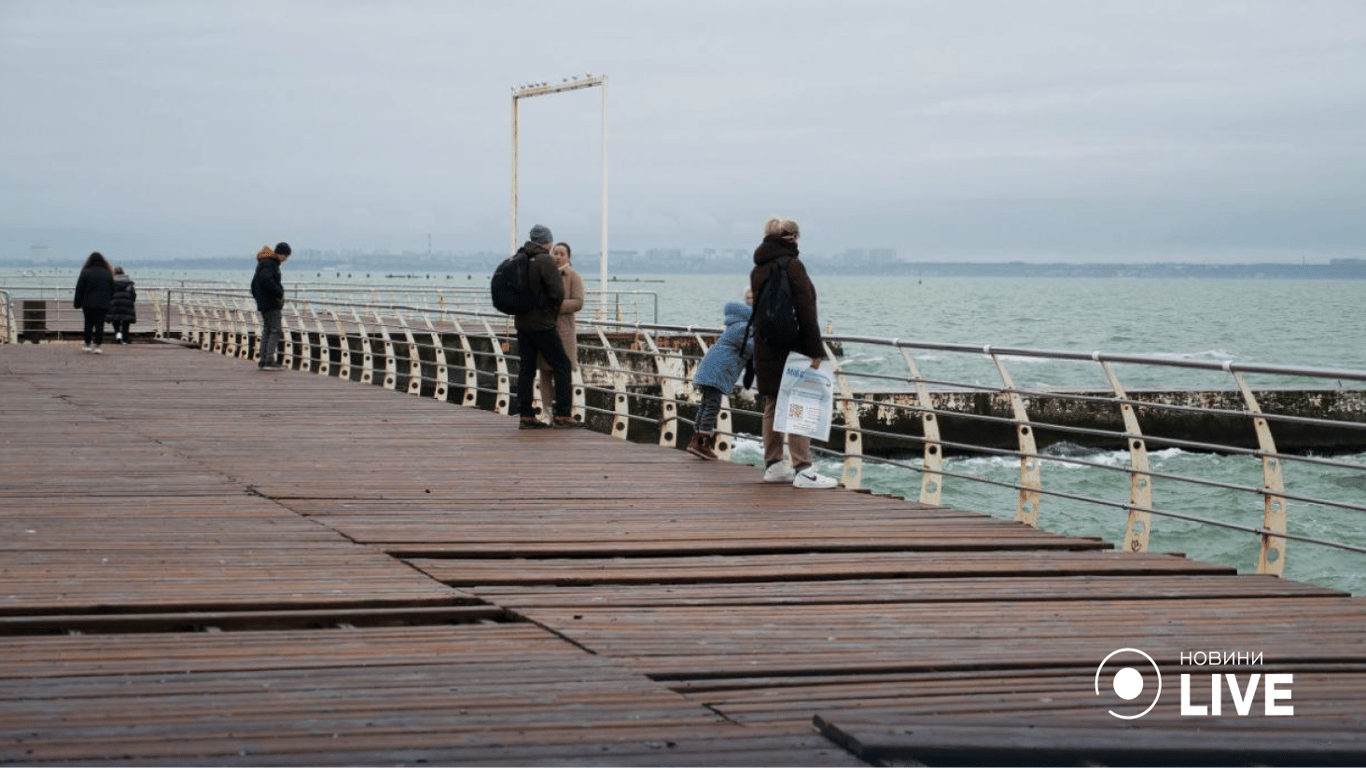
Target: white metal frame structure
{"x": 545, "y": 89}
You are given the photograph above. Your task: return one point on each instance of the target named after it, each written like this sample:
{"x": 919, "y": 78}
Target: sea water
{"x": 1307, "y": 323}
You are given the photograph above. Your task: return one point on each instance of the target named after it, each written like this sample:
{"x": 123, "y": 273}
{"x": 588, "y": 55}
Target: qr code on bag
{"x": 795, "y": 411}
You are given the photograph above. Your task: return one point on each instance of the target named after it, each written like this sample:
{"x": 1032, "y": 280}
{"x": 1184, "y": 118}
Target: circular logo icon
{"x": 1128, "y": 677}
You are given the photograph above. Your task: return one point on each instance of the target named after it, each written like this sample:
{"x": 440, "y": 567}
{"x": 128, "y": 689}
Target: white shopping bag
{"x": 806, "y": 398}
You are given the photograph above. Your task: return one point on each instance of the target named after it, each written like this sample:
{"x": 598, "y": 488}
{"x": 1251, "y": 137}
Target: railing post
{"x": 200, "y": 319}
{"x": 414, "y": 357}
{"x": 670, "y": 370}
{"x": 8, "y": 332}
{"x": 343, "y": 347}
{"x": 932, "y": 478}
{"x": 324, "y": 346}
{"x": 305, "y": 344}
{"x": 1139, "y": 525}
{"x": 504, "y": 404}
{"x": 621, "y": 409}
{"x": 160, "y": 320}
{"x": 367, "y": 351}
{"x": 287, "y": 337}
{"x": 852, "y": 476}
{"x": 470, "y": 398}
{"x": 1271, "y": 555}
{"x": 443, "y": 372}
{"x": 245, "y": 348}
{"x": 390, "y": 356}
{"x": 220, "y": 332}
{"x": 1027, "y": 505}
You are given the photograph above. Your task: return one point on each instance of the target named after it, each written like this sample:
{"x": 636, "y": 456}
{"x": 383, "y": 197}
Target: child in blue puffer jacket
{"x": 716, "y": 375}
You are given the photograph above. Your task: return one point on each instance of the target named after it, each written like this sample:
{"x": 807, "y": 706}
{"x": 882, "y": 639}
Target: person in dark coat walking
{"x": 269, "y": 293}
{"x": 123, "y": 311}
{"x": 94, "y": 294}
{"x": 538, "y": 335}
{"x": 780, "y": 242}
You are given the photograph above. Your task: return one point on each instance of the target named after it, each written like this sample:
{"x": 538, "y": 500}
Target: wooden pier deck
{"x": 207, "y": 564}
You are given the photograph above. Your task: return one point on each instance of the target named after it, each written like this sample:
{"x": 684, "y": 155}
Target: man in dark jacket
{"x": 780, "y": 242}
{"x": 537, "y": 335}
{"x": 269, "y": 293}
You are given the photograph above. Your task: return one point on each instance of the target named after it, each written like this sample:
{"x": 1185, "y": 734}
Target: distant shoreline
{"x": 1339, "y": 269}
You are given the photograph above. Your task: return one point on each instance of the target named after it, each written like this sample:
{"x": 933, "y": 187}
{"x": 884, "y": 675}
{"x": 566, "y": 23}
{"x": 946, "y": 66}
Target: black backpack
{"x": 775, "y": 316}
{"x": 511, "y": 285}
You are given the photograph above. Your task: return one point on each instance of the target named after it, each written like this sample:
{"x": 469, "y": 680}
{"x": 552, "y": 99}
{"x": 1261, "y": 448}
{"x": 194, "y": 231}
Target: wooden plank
{"x": 808, "y": 566}
{"x": 937, "y": 742}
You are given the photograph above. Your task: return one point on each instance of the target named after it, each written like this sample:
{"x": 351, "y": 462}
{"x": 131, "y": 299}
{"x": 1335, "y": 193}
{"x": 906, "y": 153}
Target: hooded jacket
{"x": 547, "y": 287}
{"x": 725, "y": 360}
{"x": 124, "y": 307}
{"x": 266, "y": 287}
{"x": 769, "y": 360}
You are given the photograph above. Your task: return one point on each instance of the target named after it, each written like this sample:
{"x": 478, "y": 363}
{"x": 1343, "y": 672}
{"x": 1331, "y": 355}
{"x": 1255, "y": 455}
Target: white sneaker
{"x": 779, "y": 473}
{"x": 810, "y": 478}
{"x": 86, "y": 348}
{"x": 97, "y": 350}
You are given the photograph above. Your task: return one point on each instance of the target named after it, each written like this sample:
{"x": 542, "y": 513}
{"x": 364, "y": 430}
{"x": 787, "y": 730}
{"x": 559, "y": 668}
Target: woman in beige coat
{"x": 566, "y": 325}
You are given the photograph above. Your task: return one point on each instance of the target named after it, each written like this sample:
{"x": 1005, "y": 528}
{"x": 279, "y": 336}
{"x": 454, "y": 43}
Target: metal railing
{"x": 38, "y": 310}
{"x": 914, "y": 408}
{"x": 633, "y": 381}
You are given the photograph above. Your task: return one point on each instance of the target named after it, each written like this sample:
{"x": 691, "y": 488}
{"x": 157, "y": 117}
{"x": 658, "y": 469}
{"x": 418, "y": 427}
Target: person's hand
{"x": 816, "y": 362}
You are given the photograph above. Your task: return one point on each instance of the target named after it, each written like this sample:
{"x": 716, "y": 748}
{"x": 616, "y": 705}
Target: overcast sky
{"x": 957, "y": 130}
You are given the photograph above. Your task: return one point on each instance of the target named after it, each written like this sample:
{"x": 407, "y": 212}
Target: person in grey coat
{"x": 717, "y": 373}
{"x": 94, "y": 294}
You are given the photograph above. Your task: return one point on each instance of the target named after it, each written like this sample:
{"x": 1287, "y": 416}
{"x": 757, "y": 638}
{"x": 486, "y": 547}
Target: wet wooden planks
{"x": 455, "y": 695}
{"x": 753, "y": 608}
{"x": 101, "y": 511}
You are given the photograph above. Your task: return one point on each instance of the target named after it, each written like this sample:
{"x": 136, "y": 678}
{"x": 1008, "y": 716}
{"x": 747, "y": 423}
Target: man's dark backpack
{"x": 511, "y": 285}
{"x": 775, "y": 316}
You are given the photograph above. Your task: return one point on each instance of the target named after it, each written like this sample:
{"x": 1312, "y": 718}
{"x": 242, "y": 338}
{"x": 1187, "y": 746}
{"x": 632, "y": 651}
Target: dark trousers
{"x": 94, "y": 325}
{"x": 270, "y": 336}
{"x": 546, "y": 345}
{"x": 708, "y": 410}
{"x": 121, "y": 328}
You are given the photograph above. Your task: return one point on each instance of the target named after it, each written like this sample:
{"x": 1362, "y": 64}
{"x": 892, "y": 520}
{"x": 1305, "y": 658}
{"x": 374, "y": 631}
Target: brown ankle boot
{"x": 697, "y": 446}
{"x": 709, "y": 447}
{"x": 701, "y": 446}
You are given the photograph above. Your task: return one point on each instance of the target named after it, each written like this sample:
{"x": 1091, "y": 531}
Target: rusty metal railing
{"x": 908, "y": 405}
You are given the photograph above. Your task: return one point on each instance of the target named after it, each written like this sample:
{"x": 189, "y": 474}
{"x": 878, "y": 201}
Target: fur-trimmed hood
{"x": 267, "y": 252}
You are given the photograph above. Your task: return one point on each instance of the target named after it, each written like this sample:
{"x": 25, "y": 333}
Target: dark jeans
{"x": 270, "y": 337}
{"x": 541, "y": 344}
{"x": 94, "y": 325}
{"x": 121, "y": 327}
{"x": 707, "y": 411}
